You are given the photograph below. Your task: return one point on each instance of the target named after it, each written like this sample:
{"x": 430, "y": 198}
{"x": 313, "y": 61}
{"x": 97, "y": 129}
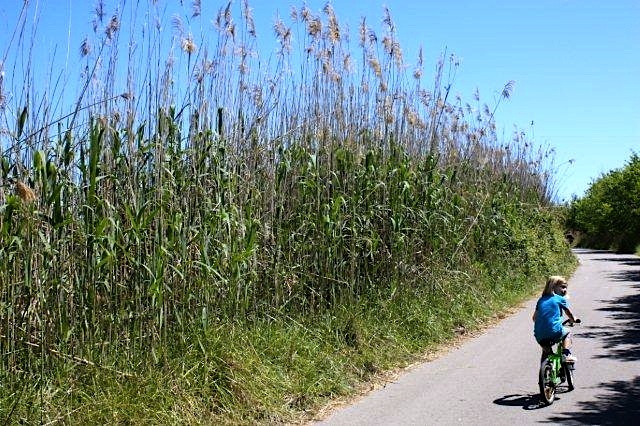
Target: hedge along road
{"x": 492, "y": 379}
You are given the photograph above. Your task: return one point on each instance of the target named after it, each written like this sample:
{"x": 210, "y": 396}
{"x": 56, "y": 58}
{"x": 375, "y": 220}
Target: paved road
{"x": 475, "y": 385}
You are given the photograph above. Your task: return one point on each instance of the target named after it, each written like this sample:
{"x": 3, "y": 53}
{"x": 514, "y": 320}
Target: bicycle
{"x": 553, "y": 371}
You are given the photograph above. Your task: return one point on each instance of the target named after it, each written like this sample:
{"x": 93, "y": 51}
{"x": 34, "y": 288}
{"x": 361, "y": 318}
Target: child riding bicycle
{"x": 548, "y": 328}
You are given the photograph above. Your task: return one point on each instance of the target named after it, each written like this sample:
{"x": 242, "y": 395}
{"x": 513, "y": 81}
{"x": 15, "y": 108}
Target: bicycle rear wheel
{"x": 547, "y": 386}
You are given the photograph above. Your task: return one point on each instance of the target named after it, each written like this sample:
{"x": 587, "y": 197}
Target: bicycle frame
{"x": 555, "y": 358}
{"x": 553, "y": 371}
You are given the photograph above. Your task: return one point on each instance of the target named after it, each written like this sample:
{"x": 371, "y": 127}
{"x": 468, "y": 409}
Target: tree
{"x": 609, "y": 214}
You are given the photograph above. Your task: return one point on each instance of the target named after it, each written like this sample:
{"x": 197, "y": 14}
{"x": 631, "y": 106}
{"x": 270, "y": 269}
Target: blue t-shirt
{"x": 548, "y": 324}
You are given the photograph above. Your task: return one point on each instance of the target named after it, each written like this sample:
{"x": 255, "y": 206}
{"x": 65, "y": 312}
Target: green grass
{"x": 273, "y": 370}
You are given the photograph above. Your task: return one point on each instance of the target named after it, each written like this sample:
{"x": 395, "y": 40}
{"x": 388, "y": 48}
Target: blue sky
{"x": 575, "y": 63}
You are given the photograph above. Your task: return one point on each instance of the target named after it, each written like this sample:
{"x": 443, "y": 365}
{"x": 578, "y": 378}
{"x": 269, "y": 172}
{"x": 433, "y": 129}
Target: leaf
{"x": 6, "y": 167}
{"x": 38, "y": 160}
{"x": 22, "y": 121}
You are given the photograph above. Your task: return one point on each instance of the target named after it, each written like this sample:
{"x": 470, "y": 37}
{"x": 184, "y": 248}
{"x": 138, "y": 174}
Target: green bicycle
{"x": 553, "y": 371}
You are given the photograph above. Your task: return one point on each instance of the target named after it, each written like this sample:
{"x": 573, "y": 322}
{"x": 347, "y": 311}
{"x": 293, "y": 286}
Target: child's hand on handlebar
{"x": 570, "y": 322}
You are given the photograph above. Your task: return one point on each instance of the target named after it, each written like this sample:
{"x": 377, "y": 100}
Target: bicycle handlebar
{"x": 570, "y": 323}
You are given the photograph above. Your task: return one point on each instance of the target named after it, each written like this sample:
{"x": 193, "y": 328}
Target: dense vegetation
{"x": 608, "y": 216}
{"x": 251, "y": 243}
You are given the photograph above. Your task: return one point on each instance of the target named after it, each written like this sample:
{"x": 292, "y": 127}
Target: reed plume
{"x": 25, "y": 192}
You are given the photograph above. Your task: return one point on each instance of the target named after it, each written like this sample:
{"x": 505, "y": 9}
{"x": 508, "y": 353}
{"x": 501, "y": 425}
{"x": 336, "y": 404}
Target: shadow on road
{"x": 527, "y": 402}
{"x": 616, "y": 405}
{"x": 621, "y": 339}
{"x": 627, "y": 260}
{"x": 626, "y": 276}
{"x": 589, "y": 251}
{"x": 530, "y": 401}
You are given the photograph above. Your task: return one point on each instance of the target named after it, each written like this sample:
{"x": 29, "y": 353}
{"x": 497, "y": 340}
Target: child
{"x": 547, "y": 318}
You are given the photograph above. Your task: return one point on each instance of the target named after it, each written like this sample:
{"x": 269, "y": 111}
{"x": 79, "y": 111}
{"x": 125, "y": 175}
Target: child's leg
{"x": 566, "y": 342}
{"x": 546, "y": 350}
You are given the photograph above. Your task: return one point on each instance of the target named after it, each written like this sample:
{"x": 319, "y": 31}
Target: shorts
{"x": 553, "y": 340}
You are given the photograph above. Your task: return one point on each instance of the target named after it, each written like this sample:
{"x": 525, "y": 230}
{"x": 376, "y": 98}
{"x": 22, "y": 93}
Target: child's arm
{"x": 569, "y": 314}
{"x": 535, "y": 314}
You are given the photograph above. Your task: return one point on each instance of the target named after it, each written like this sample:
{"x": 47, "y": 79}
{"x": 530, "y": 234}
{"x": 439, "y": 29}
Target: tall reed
{"x": 190, "y": 183}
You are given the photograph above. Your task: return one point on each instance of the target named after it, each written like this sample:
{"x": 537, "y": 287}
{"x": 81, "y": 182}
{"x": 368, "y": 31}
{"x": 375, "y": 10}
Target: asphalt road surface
{"x": 492, "y": 379}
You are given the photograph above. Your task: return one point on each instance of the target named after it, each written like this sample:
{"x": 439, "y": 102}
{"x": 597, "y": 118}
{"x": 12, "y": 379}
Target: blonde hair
{"x": 552, "y": 282}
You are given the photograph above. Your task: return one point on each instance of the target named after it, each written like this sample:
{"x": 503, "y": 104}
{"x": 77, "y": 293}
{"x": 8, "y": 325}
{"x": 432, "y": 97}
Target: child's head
{"x": 555, "y": 284}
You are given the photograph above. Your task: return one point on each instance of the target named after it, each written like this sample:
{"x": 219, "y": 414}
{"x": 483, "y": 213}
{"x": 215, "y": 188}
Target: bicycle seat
{"x": 549, "y": 342}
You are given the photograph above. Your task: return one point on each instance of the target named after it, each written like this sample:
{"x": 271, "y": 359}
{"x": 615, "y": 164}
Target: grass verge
{"x": 277, "y": 369}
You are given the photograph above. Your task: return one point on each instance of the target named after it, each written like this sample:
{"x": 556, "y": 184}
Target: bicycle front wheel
{"x": 547, "y": 386}
{"x": 569, "y": 375}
